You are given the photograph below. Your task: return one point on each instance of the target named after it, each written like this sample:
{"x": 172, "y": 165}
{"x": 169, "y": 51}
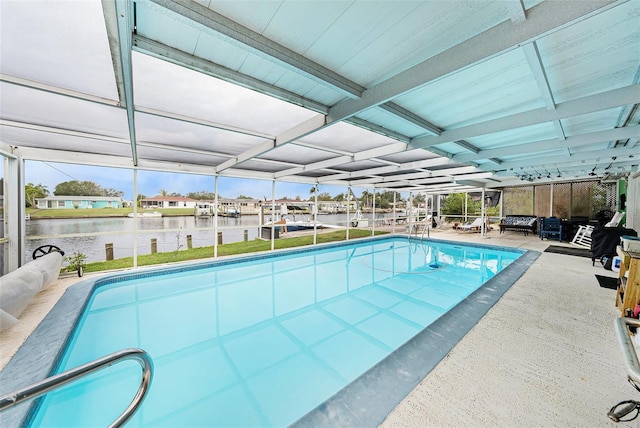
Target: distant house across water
{"x": 226, "y": 206}
{"x": 79, "y": 202}
{"x": 239, "y": 206}
{"x": 167, "y": 202}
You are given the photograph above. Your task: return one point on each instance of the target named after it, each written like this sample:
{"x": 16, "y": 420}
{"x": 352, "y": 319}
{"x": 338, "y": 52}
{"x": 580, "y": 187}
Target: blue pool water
{"x": 261, "y": 342}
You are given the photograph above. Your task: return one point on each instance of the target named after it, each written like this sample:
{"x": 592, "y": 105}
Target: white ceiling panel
{"x": 420, "y": 30}
{"x": 594, "y": 55}
{"x": 173, "y": 155}
{"x": 343, "y": 136}
{"x": 604, "y": 119}
{"x": 515, "y": 137}
{"x": 475, "y": 95}
{"x": 155, "y": 22}
{"x": 297, "y": 154}
{"x": 213, "y": 49}
{"x": 58, "y": 43}
{"x": 388, "y": 120}
{"x": 154, "y": 129}
{"x": 411, "y": 156}
{"x": 50, "y": 141}
{"x": 30, "y": 106}
{"x": 171, "y": 88}
{"x": 309, "y": 19}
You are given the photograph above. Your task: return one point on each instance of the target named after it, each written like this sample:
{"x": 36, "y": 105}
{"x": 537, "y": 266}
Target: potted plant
{"x": 75, "y": 263}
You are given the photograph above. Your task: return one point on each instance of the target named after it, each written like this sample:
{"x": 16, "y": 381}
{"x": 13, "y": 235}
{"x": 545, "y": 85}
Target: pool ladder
{"x": 54, "y": 382}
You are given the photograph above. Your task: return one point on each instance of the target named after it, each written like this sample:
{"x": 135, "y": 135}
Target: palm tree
{"x": 163, "y": 192}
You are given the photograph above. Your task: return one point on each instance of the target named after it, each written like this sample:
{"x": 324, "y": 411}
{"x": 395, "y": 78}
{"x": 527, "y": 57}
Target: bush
{"x": 75, "y": 261}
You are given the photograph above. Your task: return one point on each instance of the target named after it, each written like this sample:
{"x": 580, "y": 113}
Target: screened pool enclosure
{"x": 411, "y": 96}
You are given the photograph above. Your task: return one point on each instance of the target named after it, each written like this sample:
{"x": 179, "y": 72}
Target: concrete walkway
{"x": 545, "y": 355}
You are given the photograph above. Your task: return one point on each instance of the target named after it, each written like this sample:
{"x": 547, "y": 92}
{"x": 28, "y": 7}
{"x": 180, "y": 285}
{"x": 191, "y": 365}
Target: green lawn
{"x": 226, "y": 250}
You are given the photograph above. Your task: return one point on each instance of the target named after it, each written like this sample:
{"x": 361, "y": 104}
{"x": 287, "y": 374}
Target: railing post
{"x": 219, "y": 238}
{"x": 154, "y": 245}
{"x": 109, "y": 251}
{"x": 189, "y": 242}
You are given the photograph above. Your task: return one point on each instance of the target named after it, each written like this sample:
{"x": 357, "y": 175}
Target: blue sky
{"x": 50, "y": 174}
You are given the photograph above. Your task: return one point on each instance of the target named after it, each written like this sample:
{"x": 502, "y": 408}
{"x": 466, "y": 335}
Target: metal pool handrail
{"x": 631, "y": 358}
{"x": 49, "y": 384}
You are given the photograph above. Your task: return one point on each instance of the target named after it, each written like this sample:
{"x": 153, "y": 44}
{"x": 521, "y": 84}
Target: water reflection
{"x": 170, "y": 233}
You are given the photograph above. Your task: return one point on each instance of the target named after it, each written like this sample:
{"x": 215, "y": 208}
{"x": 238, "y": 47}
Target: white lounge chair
{"x": 476, "y": 225}
{"x": 616, "y": 220}
{"x": 583, "y": 236}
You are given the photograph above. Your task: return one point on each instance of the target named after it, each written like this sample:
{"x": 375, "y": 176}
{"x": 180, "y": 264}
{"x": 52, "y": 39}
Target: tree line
{"x": 452, "y": 204}
{"x": 67, "y": 188}
{"x": 89, "y": 188}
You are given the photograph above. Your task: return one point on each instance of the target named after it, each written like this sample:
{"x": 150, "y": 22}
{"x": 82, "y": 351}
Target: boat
{"x": 204, "y": 209}
{"x": 152, "y": 214}
{"x": 291, "y": 224}
{"x": 229, "y": 212}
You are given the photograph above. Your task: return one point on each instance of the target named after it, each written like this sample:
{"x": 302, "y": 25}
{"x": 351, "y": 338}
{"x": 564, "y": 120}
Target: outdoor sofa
{"x": 521, "y": 223}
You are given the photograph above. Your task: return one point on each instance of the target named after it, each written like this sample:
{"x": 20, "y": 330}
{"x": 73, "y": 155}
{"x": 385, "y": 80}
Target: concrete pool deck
{"x": 545, "y": 355}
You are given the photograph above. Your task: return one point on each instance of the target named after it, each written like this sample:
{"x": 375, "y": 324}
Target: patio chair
{"x": 474, "y": 226}
{"x": 583, "y": 236}
{"x": 615, "y": 220}
{"x": 603, "y": 217}
{"x": 551, "y": 228}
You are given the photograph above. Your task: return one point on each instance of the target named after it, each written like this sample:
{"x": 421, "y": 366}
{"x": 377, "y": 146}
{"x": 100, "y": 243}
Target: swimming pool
{"x": 267, "y": 340}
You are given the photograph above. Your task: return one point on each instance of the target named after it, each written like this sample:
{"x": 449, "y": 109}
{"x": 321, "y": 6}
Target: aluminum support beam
{"x": 122, "y": 62}
{"x": 590, "y": 104}
{"x": 435, "y": 176}
{"x": 562, "y": 158}
{"x": 546, "y": 145}
{"x": 411, "y": 117}
{"x": 192, "y": 62}
{"x": 225, "y": 29}
{"x": 535, "y": 64}
{"x": 388, "y": 169}
{"x": 516, "y": 10}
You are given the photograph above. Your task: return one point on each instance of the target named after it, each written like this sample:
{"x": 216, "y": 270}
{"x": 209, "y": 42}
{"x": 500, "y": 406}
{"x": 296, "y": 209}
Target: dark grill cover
{"x": 605, "y": 239}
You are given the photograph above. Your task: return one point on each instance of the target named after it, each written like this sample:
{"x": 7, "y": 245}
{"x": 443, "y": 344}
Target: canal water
{"x": 90, "y": 235}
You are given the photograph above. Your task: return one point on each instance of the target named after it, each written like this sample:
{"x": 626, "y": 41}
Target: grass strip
{"x": 234, "y": 248}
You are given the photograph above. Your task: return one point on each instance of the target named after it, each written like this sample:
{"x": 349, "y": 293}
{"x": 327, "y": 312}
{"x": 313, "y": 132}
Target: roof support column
{"x": 14, "y": 212}
{"x": 349, "y": 193}
{"x": 135, "y": 217}
{"x": 215, "y": 216}
{"x": 273, "y": 214}
{"x": 373, "y": 214}
{"x": 483, "y": 226}
{"x": 410, "y": 212}
{"x": 393, "y": 223}
{"x": 315, "y": 215}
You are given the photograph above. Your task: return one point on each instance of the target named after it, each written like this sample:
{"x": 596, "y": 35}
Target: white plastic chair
{"x": 583, "y": 236}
